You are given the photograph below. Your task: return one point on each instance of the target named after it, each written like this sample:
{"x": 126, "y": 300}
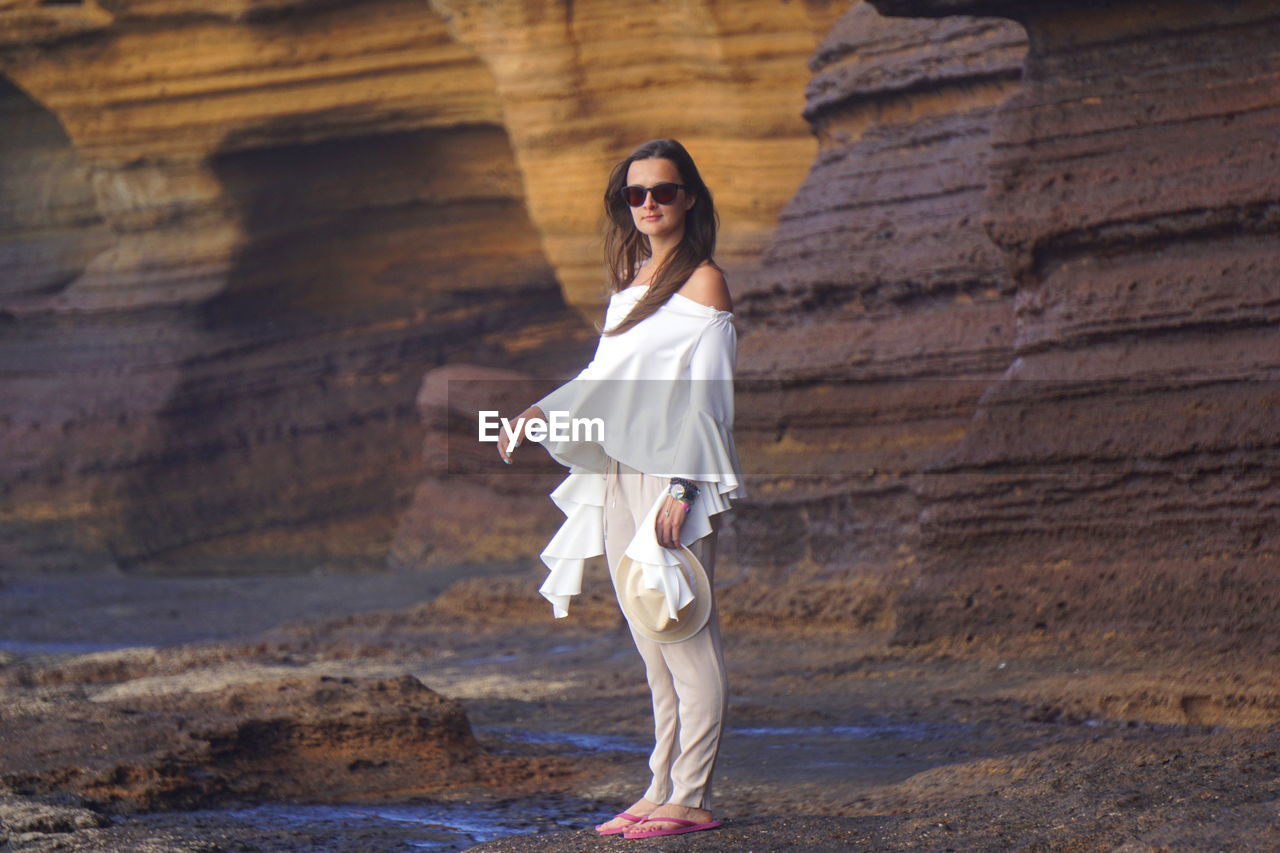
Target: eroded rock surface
{"x": 1093, "y": 740}
{"x": 234, "y": 239}
{"x": 156, "y": 743}
{"x": 884, "y": 310}
{"x": 582, "y": 83}
{"x": 1123, "y": 471}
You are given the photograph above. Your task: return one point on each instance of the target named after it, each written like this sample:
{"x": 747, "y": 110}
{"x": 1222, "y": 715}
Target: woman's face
{"x": 651, "y": 218}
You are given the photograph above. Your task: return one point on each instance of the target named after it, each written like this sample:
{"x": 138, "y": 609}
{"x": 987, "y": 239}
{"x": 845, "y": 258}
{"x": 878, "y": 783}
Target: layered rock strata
{"x": 1125, "y": 470}
{"x": 883, "y": 310}
{"x": 330, "y": 739}
{"x": 233, "y": 242}
{"x": 469, "y": 507}
{"x": 582, "y": 83}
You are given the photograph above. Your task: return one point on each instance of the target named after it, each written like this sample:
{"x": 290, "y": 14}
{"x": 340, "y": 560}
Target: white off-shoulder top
{"x": 664, "y": 392}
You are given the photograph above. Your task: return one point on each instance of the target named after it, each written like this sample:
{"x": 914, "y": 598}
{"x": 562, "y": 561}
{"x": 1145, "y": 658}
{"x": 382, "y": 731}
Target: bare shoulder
{"x": 707, "y": 285}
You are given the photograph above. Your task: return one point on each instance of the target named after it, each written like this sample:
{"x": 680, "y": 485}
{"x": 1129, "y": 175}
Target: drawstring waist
{"x": 611, "y": 481}
{"x": 610, "y": 491}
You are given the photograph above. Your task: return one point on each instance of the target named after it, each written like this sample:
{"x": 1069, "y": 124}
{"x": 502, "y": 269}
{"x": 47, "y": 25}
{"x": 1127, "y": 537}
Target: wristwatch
{"x": 683, "y": 490}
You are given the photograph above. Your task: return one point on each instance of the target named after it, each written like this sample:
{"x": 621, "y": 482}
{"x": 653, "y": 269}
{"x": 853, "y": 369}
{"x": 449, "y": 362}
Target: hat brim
{"x": 692, "y": 620}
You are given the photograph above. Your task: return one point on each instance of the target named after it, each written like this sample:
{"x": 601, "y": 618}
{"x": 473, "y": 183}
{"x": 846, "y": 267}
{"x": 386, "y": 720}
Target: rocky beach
{"x": 1004, "y": 276}
{"x": 472, "y": 720}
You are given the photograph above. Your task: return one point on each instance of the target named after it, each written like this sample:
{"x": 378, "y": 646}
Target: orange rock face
{"x": 582, "y": 83}
{"x": 234, "y": 241}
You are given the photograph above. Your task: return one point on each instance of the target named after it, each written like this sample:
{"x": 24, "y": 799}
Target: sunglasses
{"x": 663, "y": 193}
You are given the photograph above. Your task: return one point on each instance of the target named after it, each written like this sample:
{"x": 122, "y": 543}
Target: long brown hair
{"x": 625, "y": 246}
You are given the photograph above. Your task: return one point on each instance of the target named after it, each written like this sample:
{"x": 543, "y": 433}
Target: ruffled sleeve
{"x": 666, "y": 389}
{"x": 706, "y": 452}
{"x": 581, "y": 498}
{"x": 659, "y": 566}
{"x": 708, "y": 456}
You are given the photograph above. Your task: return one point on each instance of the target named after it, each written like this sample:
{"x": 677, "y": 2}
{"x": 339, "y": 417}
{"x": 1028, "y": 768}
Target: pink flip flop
{"x": 626, "y": 816}
{"x": 684, "y": 826}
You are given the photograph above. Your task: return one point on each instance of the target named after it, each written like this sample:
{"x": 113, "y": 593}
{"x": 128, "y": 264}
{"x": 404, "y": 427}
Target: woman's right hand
{"x": 523, "y": 419}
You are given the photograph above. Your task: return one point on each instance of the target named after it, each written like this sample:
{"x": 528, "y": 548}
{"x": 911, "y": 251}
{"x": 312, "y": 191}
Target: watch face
{"x": 679, "y": 491}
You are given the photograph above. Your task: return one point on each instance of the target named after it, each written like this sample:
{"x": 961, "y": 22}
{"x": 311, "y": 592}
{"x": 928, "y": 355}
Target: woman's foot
{"x": 654, "y": 820}
{"x": 641, "y": 809}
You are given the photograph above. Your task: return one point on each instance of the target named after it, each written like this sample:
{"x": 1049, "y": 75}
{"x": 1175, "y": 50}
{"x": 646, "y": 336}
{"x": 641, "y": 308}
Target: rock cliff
{"x": 235, "y": 239}
{"x": 1123, "y": 470}
{"x": 1008, "y": 347}
{"x": 583, "y": 82}
{"x": 883, "y": 310}
{"x": 259, "y": 225}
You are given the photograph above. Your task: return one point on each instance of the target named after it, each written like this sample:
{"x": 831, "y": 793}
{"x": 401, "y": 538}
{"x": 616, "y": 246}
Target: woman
{"x": 665, "y": 468}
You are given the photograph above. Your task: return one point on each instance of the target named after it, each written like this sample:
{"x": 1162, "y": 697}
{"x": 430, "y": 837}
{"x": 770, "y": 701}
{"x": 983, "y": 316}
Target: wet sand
{"x": 836, "y": 740}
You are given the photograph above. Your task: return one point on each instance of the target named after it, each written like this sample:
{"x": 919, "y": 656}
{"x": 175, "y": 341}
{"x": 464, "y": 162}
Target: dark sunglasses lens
{"x": 665, "y": 193}
{"x": 634, "y": 195}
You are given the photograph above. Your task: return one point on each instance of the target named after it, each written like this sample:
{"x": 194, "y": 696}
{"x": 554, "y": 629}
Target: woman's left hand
{"x": 669, "y": 521}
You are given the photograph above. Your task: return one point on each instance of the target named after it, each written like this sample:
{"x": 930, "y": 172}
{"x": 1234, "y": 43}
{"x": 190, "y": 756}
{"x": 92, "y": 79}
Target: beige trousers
{"x": 687, "y": 679}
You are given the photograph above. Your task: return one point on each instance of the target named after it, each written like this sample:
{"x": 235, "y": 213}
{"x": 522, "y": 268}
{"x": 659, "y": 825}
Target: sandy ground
{"x": 835, "y": 741}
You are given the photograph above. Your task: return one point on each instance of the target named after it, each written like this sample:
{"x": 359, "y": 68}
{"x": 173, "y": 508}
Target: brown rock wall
{"x": 884, "y": 310}
{"x": 272, "y": 219}
{"x": 579, "y": 86}
{"x": 243, "y": 236}
{"x": 1123, "y": 471}
{"x": 469, "y": 507}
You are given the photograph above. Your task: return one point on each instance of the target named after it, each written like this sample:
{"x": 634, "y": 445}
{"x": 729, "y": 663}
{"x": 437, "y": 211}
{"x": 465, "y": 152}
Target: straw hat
{"x": 646, "y": 609}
